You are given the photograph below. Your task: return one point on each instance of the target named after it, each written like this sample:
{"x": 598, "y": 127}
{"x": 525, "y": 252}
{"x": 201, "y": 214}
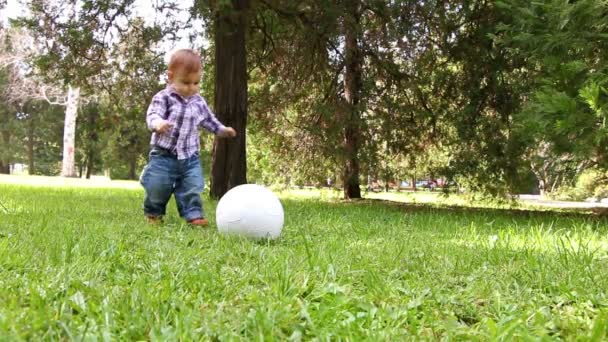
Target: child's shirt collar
{"x": 172, "y": 91}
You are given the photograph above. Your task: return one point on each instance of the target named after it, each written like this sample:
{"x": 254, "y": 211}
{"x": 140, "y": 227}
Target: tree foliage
{"x": 563, "y": 120}
{"x": 487, "y": 94}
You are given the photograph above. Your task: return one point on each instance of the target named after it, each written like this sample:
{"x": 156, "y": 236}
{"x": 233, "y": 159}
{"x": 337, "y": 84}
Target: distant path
{"x": 537, "y": 200}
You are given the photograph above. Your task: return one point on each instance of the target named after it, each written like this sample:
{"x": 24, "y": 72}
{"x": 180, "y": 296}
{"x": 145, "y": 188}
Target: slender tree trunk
{"x": 5, "y": 164}
{"x": 413, "y": 165}
{"x": 89, "y": 164}
{"x": 93, "y": 142}
{"x": 31, "y": 141}
{"x": 541, "y": 187}
{"x": 133, "y": 168}
{"x": 229, "y": 165}
{"x": 69, "y": 133}
{"x": 385, "y": 167}
{"x": 352, "y": 93}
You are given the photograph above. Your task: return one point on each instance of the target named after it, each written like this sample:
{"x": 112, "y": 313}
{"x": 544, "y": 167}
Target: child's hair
{"x": 185, "y": 60}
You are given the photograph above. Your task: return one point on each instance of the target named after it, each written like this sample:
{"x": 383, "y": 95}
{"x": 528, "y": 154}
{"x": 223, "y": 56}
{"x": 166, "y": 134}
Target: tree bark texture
{"x": 413, "y": 167}
{"x": 133, "y": 168}
{"x": 89, "y": 166}
{"x": 352, "y": 93}
{"x": 93, "y": 143}
{"x": 5, "y": 163}
{"x": 69, "y": 133}
{"x": 31, "y": 141}
{"x": 229, "y": 164}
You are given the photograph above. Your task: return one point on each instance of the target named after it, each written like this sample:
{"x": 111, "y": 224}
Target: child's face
{"x": 185, "y": 83}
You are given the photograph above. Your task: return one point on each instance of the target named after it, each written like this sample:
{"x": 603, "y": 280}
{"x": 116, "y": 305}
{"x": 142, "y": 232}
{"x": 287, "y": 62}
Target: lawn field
{"x": 79, "y": 263}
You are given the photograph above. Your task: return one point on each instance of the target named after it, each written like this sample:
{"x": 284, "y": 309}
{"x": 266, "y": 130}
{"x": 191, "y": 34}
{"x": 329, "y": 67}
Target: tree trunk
{"x": 69, "y": 133}
{"x": 5, "y": 164}
{"x": 413, "y": 166}
{"x": 93, "y": 142}
{"x": 541, "y": 187}
{"x": 133, "y": 168}
{"x": 89, "y": 164}
{"x": 229, "y": 164}
{"x": 352, "y": 93}
{"x": 31, "y": 140}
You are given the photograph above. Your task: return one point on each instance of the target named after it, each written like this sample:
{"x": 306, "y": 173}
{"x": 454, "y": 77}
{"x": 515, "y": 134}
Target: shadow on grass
{"x": 599, "y": 215}
{"x": 581, "y": 213}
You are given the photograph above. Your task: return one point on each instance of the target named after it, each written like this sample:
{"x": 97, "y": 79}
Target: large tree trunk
{"x": 229, "y": 165}
{"x": 352, "y": 92}
{"x": 69, "y": 133}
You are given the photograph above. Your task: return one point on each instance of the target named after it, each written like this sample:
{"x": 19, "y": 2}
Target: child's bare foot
{"x": 201, "y": 222}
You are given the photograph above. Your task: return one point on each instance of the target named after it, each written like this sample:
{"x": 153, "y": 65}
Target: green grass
{"x": 80, "y": 263}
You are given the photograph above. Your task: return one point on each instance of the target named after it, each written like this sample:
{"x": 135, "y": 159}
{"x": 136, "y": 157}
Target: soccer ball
{"x": 250, "y": 210}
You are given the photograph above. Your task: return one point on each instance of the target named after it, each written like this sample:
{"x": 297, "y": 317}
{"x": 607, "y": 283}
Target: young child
{"x": 174, "y": 117}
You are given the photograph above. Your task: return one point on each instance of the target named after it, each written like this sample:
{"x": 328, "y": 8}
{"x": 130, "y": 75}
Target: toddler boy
{"x": 174, "y": 117}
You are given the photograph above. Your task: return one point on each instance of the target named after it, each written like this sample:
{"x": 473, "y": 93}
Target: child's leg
{"x": 188, "y": 189}
{"x": 158, "y": 179}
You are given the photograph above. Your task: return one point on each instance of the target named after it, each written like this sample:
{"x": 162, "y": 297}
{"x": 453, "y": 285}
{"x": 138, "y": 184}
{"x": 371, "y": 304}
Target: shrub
{"x": 590, "y": 183}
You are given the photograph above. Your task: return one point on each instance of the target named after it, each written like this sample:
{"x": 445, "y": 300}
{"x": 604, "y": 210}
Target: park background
{"x": 496, "y": 97}
{"x": 483, "y": 99}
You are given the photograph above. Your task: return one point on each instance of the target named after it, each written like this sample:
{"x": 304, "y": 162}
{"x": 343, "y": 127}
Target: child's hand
{"x": 164, "y": 126}
{"x": 227, "y": 132}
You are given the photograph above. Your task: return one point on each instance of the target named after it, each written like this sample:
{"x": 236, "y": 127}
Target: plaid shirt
{"x": 186, "y": 115}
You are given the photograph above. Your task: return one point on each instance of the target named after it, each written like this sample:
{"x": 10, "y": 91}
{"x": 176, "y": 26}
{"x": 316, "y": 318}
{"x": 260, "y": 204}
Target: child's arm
{"x": 156, "y": 112}
{"x": 212, "y": 124}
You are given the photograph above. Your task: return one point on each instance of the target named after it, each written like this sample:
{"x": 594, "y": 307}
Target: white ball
{"x": 250, "y": 210}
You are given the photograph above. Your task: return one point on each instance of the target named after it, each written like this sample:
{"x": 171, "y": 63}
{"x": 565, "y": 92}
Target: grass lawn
{"x": 80, "y": 263}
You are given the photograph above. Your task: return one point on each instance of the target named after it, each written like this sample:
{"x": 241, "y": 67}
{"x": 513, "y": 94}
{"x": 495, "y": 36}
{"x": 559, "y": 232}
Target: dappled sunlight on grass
{"x": 327, "y": 195}
{"x": 46, "y": 181}
{"x": 581, "y": 240}
{"x": 434, "y": 198}
{"x": 75, "y": 258}
{"x": 417, "y": 197}
{"x": 9, "y": 206}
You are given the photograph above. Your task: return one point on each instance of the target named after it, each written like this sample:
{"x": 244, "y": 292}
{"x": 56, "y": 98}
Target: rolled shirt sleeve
{"x": 156, "y": 111}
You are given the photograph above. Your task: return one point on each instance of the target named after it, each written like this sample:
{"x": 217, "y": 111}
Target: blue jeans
{"x": 165, "y": 175}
